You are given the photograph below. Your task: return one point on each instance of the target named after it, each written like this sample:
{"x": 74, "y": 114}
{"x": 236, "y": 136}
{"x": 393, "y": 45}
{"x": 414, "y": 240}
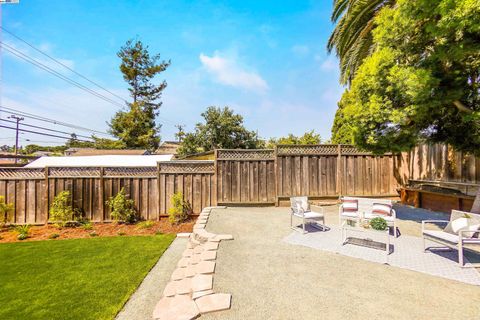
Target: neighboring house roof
{"x": 97, "y": 152}
{"x": 207, "y": 155}
{"x": 100, "y": 161}
{"x": 168, "y": 147}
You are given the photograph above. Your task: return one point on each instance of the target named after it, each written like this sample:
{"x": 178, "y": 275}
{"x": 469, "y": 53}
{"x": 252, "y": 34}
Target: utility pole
{"x": 1, "y": 61}
{"x": 17, "y": 119}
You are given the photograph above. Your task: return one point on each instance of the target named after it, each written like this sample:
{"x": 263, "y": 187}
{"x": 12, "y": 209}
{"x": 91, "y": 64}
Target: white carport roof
{"x": 100, "y": 161}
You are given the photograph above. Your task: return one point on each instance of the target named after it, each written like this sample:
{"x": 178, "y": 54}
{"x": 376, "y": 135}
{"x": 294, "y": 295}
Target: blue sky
{"x": 265, "y": 59}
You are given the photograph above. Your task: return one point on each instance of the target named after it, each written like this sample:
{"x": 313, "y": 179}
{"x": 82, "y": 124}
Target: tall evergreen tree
{"x": 136, "y": 126}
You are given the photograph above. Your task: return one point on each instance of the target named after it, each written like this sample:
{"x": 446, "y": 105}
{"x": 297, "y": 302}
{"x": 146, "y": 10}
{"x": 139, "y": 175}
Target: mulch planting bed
{"x": 45, "y": 232}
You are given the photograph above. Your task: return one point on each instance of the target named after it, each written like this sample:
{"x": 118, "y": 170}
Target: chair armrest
{"x": 430, "y": 221}
{"x": 462, "y": 234}
{"x": 394, "y": 214}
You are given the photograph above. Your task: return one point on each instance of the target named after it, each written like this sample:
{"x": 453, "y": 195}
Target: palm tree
{"x": 352, "y": 37}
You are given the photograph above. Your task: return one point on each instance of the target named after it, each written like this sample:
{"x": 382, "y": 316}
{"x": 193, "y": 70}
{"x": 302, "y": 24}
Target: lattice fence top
{"x": 325, "y": 149}
{"x": 199, "y": 166}
{"x": 22, "y": 173}
{"x": 130, "y": 172}
{"x": 252, "y": 154}
{"x": 54, "y": 172}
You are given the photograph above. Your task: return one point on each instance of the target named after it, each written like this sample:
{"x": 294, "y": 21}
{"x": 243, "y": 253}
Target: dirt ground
{"x": 45, "y": 232}
{"x": 271, "y": 279}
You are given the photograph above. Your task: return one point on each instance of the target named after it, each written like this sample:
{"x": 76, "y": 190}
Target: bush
{"x": 180, "y": 210}
{"x": 22, "y": 231}
{"x": 145, "y": 224}
{"x": 5, "y": 208}
{"x": 378, "y": 223}
{"x": 123, "y": 209}
{"x": 86, "y": 225}
{"x": 61, "y": 210}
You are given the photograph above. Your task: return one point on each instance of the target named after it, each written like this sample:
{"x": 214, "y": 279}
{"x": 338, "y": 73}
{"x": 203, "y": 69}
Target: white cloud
{"x": 328, "y": 64}
{"x": 228, "y": 72}
{"x": 300, "y": 50}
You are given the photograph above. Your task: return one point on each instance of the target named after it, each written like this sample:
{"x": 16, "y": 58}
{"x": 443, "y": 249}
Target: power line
{"x": 44, "y": 67}
{"x": 42, "y": 133}
{"x": 62, "y": 64}
{"x": 49, "y": 120}
{"x": 47, "y": 129}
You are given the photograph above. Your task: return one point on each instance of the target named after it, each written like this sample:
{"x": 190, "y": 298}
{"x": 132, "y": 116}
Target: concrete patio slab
{"x": 202, "y": 282}
{"x": 205, "y": 267}
{"x": 176, "y": 308}
{"x": 214, "y": 302}
{"x": 199, "y": 294}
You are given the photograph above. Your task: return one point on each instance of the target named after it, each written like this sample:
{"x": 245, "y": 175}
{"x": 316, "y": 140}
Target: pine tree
{"x": 136, "y": 126}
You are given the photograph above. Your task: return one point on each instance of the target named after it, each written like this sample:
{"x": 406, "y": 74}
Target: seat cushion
{"x": 442, "y": 235}
{"x": 309, "y": 215}
{"x": 350, "y": 214}
{"x": 382, "y": 209}
{"x": 349, "y": 205}
{"x": 313, "y": 215}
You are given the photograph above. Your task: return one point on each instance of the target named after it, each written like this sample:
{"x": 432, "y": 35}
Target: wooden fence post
{"x": 158, "y": 190}
{"x": 215, "y": 174}
{"x": 275, "y": 166}
{"x": 338, "y": 183}
{"x": 102, "y": 192}
{"x": 47, "y": 194}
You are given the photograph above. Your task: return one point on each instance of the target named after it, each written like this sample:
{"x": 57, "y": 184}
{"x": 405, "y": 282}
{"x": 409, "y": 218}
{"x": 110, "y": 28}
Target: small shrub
{"x": 93, "y": 234}
{"x": 123, "y": 209}
{"x": 23, "y": 231}
{"x": 5, "y": 208}
{"x": 22, "y": 236}
{"x": 53, "y": 236}
{"x": 87, "y": 226}
{"x": 145, "y": 224}
{"x": 62, "y": 212}
{"x": 180, "y": 210}
{"x": 158, "y": 233}
{"x": 378, "y": 223}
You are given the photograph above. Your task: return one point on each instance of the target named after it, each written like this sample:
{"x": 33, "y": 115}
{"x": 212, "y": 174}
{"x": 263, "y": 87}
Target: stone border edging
{"x": 190, "y": 290}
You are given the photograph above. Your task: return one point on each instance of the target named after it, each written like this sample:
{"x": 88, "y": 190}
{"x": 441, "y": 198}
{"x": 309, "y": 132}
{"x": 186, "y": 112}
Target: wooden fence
{"x": 194, "y": 179}
{"x": 246, "y": 177}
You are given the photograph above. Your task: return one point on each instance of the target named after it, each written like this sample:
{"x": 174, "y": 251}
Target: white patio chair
{"x": 301, "y": 208}
{"x": 463, "y": 228}
{"x": 364, "y": 208}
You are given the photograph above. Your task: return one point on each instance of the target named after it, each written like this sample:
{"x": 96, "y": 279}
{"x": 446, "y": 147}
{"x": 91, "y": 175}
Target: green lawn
{"x": 74, "y": 279}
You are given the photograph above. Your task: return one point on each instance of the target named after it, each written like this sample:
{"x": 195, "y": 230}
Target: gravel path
{"x": 271, "y": 279}
{"x": 143, "y": 301}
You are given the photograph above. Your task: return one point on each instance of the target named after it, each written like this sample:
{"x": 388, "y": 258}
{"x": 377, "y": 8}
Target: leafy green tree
{"x": 352, "y": 38}
{"x": 136, "y": 126}
{"x": 342, "y": 132}
{"x": 309, "y": 137}
{"x": 222, "y": 129}
{"x": 422, "y": 82}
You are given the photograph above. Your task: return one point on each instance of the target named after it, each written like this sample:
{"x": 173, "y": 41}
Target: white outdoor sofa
{"x": 310, "y": 214}
{"x": 467, "y": 235}
{"x": 364, "y": 211}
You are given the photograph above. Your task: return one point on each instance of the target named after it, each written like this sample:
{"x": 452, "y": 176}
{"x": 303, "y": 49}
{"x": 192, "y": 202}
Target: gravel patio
{"x": 272, "y": 279}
